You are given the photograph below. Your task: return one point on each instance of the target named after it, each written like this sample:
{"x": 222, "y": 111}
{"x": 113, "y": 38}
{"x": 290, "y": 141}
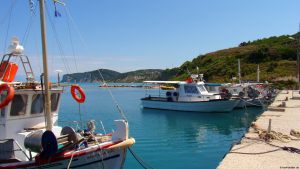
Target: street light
{"x": 298, "y": 62}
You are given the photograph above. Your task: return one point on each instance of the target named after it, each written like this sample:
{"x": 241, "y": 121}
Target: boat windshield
{"x": 190, "y": 89}
{"x": 202, "y": 88}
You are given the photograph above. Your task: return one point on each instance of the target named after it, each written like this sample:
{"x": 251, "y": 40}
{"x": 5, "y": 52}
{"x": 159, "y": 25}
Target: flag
{"x": 31, "y": 5}
{"x": 56, "y": 12}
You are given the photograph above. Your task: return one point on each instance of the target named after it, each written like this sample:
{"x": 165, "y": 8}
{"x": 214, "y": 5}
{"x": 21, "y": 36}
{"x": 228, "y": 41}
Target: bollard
{"x": 269, "y": 127}
{"x": 283, "y": 104}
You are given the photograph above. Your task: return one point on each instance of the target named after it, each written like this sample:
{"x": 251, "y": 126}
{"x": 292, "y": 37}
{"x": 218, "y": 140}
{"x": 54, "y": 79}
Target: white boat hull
{"x": 199, "y": 106}
{"x": 102, "y": 159}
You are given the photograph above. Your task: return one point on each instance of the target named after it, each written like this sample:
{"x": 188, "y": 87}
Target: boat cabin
{"x": 190, "y": 92}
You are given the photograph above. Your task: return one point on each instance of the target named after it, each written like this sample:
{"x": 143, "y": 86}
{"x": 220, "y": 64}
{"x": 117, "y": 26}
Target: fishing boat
{"x": 190, "y": 95}
{"x": 29, "y": 134}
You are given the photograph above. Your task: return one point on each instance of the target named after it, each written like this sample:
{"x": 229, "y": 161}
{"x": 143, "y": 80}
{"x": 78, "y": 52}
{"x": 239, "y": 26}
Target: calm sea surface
{"x": 164, "y": 139}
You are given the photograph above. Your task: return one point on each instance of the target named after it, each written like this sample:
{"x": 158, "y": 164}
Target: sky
{"x": 127, "y": 35}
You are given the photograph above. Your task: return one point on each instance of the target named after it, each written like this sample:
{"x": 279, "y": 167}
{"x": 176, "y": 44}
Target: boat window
{"x": 190, "y": 89}
{"x": 18, "y": 105}
{"x": 202, "y": 88}
{"x": 54, "y": 101}
{"x": 3, "y": 109}
{"x": 37, "y": 105}
{"x": 2, "y": 112}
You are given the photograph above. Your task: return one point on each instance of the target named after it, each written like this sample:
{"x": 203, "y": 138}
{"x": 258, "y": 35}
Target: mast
{"x": 48, "y": 113}
{"x": 258, "y": 71}
{"x": 239, "y": 70}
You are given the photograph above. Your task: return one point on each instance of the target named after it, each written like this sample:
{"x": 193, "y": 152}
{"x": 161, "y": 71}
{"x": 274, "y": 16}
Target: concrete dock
{"x": 281, "y": 149}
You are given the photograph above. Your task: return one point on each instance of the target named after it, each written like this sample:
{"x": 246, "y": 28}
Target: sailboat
{"x": 29, "y": 136}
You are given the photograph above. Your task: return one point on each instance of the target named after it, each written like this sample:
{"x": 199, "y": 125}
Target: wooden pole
{"x": 48, "y": 113}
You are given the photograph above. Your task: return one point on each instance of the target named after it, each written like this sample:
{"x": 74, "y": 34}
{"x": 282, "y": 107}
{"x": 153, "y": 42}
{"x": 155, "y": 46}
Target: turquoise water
{"x": 164, "y": 139}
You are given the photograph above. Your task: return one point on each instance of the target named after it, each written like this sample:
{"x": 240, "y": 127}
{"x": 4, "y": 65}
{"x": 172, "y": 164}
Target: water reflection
{"x": 196, "y": 124}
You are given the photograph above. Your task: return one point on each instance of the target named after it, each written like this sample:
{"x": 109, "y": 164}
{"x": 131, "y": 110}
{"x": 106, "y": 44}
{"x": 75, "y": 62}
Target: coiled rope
{"x": 266, "y": 137}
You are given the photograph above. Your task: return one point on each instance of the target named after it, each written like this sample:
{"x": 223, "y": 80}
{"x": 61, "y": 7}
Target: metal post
{"x": 258, "y": 71}
{"x": 48, "y": 113}
{"x": 239, "y": 70}
{"x": 298, "y": 62}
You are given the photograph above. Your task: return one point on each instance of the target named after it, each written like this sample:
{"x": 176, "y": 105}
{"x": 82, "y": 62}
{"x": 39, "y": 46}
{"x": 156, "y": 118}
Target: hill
{"x": 276, "y": 57}
{"x": 113, "y": 76}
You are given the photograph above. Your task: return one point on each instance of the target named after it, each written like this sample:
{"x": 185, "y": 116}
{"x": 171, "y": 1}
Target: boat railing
{"x": 84, "y": 125}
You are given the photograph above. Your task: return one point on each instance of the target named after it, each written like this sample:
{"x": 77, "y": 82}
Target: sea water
{"x": 164, "y": 139}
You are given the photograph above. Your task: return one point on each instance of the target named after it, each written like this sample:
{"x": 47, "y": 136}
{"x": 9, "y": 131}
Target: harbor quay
{"x": 273, "y": 140}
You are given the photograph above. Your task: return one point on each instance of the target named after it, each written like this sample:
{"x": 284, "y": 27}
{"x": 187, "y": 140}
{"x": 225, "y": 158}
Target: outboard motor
{"x": 252, "y": 93}
{"x": 225, "y": 94}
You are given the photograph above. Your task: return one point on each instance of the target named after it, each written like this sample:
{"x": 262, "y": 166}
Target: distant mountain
{"x": 113, "y": 76}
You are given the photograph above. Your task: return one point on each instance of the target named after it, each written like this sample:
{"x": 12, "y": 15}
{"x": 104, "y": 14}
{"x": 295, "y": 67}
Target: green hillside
{"x": 276, "y": 57}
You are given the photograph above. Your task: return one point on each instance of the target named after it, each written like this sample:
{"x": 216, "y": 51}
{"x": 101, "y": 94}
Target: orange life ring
{"x": 9, "y": 96}
{"x": 81, "y": 98}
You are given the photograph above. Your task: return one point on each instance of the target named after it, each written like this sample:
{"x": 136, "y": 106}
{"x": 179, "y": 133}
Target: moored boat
{"x": 29, "y": 134}
{"x": 190, "y": 95}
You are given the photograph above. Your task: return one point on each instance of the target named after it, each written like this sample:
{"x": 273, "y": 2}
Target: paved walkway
{"x": 254, "y": 153}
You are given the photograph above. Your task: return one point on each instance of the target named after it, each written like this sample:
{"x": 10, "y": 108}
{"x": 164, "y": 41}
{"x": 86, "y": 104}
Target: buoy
{"x": 81, "y": 98}
{"x": 9, "y": 96}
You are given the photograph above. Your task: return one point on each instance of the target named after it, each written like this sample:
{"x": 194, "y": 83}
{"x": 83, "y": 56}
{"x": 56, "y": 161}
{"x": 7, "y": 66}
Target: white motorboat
{"x": 29, "y": 135}
{"x": 190, "y": 95}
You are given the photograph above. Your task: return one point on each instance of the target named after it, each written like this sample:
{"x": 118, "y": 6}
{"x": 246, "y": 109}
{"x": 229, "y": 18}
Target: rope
{"x": 71, "y": 41}
{"x": 8, "y": 25}
{"x": 113, "y": 98}
{"x": 76, "y": 27}
{"x": 27, "y": 31}
{"x": 272, "y": 135}
{"x": 70, "y": 162}
{"x": 267, "y": 137}
{"x": 295, "y": 133}
{"x": 265, "y": 152}
{"x": 139, "y": 160}
{"x": 252, "y": 103}
{"x": 58, "y": 41}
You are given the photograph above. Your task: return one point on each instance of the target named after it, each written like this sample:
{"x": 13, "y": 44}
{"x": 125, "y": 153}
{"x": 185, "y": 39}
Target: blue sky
{"x": 126, "y": 35}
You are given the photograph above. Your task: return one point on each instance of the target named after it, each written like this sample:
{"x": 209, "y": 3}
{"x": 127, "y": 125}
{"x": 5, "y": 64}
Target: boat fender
{"x": 241, "y": 94}
{"x": 10, "y": 94}
{"x": 81, "y": 98}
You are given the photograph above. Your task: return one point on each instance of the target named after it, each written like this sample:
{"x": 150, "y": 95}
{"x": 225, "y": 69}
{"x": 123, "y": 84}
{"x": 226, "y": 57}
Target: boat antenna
{"x": 187, "y": 69}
